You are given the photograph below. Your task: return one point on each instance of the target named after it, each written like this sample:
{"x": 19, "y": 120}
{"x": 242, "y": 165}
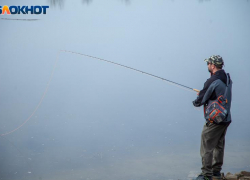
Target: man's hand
{"x": 195, "y": 104}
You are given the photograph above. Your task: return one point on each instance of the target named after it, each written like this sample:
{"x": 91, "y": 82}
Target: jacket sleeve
{"x": 205, "y": 93}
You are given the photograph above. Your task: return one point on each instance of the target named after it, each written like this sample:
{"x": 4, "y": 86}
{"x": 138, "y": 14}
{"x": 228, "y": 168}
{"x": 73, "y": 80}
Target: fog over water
{"x": 99, "y": 121}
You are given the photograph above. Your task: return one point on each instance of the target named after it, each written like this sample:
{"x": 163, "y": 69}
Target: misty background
{"x": 99, "y": 121}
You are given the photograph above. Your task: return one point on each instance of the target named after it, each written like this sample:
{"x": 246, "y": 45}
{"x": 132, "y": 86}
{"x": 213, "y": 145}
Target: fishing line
{"x": 41, "y": 100}
{"x": 111, "y": 62}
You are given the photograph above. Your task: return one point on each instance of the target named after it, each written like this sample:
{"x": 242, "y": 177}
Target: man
{"x": 213, "y": 135}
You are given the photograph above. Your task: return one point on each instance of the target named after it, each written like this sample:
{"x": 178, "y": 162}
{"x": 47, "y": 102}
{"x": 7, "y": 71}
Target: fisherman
{"x": 213, "y": 135}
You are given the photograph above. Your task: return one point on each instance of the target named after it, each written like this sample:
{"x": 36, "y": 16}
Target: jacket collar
{"x": 218, "y": 72}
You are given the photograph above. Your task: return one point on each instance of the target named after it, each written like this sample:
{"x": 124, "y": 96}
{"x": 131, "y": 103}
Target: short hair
{"x": 219, "y": 66}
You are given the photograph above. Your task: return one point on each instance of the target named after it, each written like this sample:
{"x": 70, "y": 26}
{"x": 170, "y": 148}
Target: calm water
{"x": 99, "y": 121}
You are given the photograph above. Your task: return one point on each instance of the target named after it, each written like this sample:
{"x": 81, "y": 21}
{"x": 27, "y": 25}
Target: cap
{"x": 216, "y": 60}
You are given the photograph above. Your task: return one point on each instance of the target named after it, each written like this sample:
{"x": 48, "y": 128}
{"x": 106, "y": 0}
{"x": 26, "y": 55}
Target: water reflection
{"x": 203, "y": 1}
{"x": 127, "y": 1}
{"x": 60, "y": 3}
{"x": 86, "y": 1}
{"x": 55, "y": 3}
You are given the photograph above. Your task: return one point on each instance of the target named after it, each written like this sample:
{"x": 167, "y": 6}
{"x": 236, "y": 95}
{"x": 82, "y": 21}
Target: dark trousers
{"x": 212, "y": 148}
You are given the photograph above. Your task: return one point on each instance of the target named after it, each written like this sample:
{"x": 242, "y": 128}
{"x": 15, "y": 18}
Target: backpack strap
{"x": 228, "y": 80}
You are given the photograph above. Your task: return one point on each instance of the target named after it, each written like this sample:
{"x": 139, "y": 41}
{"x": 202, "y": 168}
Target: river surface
{"x": 71, "y": 117}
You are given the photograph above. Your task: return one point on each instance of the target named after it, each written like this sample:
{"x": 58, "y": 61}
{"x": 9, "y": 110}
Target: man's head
{"x": 214, "y": 63}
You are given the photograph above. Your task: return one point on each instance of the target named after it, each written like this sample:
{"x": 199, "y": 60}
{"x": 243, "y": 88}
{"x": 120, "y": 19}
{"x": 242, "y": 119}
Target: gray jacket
{"x": 213, "y": 88}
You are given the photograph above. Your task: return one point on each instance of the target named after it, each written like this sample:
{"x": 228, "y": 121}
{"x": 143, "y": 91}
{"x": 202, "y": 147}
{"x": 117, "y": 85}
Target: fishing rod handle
{"x": 196, "y": 90}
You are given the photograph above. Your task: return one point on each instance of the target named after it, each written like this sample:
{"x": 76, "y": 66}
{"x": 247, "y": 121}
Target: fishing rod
{"x": 152, "y": 75}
